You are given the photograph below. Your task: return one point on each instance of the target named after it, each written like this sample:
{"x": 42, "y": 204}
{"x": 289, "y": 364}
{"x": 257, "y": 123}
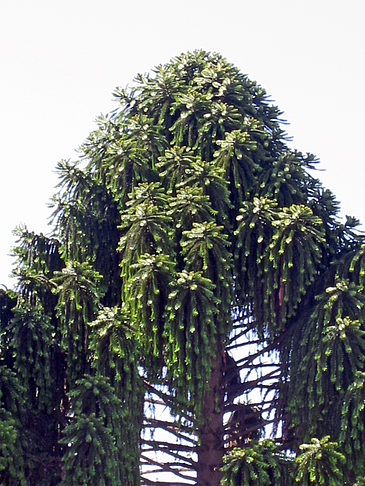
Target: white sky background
{"x": 61, "y": 60}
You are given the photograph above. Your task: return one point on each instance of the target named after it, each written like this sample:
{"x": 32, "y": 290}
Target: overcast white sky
{"x": 61, "y": 60}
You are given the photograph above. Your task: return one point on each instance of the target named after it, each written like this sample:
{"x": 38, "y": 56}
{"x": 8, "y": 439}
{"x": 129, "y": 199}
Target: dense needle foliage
{"x": 197, "y": 266}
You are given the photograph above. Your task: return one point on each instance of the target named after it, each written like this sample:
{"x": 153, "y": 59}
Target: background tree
{"x": 195, "y": 261}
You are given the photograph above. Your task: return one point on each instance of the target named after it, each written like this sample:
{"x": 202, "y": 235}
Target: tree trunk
{"x": 211, "y": 449}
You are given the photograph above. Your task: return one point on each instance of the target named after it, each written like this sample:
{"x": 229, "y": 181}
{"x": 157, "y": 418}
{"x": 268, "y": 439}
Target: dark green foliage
{"x": 352, "y": 434}
{"x": 31, "y": 341}
{"x": 38, "y": 258}
{"x": 11, "y": 464}
{"x": 77, "y": 288}
{"x": 279, "y": 250}
{"x": 117, "y": 360}
{"x": 188, "y": 236}
{"x": 331, "y": 354}
{"x": 95, "y": 450}
{"x": 7, "y": 303}
{"x": 258, "y": 464}
{"x": 12, "y": 418}
{"x": 86, "y": 216}
{"x": 150, "y": 276}
{"x": 90, "y": 453}
{"x": 145, "y": 228}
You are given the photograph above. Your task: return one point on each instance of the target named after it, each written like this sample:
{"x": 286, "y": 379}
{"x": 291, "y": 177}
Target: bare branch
{"x": 166, "y": 468}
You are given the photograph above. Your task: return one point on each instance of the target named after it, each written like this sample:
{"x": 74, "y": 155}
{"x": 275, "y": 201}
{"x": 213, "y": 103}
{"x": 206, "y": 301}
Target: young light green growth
{"x": 320, "y": 463}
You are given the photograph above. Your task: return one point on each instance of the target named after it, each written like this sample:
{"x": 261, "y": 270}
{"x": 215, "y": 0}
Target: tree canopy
{"x": 197, "y": 311}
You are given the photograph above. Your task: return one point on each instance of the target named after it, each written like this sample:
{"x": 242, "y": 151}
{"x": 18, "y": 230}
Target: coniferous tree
{"x": 196, "y": 266}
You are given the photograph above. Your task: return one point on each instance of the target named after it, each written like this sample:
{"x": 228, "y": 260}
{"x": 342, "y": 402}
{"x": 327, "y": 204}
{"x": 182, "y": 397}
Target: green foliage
{"x": 90, "y": 453}
{"x": 30, "y": 410}
{"x": 115, "y": 350}
{"x": 330, "y": 355}
{"x": 31, "y": 341}
{"x": 78, "y": 293}
{"x": 191, "y": 335}
{"x": 279, "y": 250}
{"x": 149, "y": 282}
{"x": 234, "y": 157}
{"x": 359, "y": 482}
{"x": 7, "y": 303}
{"x": 145, "y": 226}
{"x": 96, "y": 451}
{"x": 206, "y": 248}
{"x": 38, "y": 258}
{"x": 258, "y": 464}
{"x": 176, "y": 166}
{"x": 320, "y": 463}
{"x": 11, "y": 457}
{"x": 188, "y": 229}
{"x": 352, "y": 434}
{"x": 189, "y": 207}
{"x": 86, "y": 216}
{"x": 12, "y": 420}
{"x": 117, "y": 358}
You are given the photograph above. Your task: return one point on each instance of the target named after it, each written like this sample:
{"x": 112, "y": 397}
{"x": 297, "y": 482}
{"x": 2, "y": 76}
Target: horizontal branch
{"x": 165, "y": 468}
{"x": 240, "y": 334}
{"x": 167, "y": 399}
{"x": 270, "y": 347}
{"x": 173, "y": 428}
{"x": 261, "y": 365}
{"x": 148, "y": 482}
{"x": 171, "y": 452}
{"x": 162, "y": 445}
{"x": 263, "y": 406}
{"x": 239, "y": 389}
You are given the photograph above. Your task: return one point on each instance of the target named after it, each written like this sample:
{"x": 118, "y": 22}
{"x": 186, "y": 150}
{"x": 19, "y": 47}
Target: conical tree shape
{"x": 194, "y": 253}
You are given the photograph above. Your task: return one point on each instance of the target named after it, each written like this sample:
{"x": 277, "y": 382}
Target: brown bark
{"x": 211, "y": 432}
